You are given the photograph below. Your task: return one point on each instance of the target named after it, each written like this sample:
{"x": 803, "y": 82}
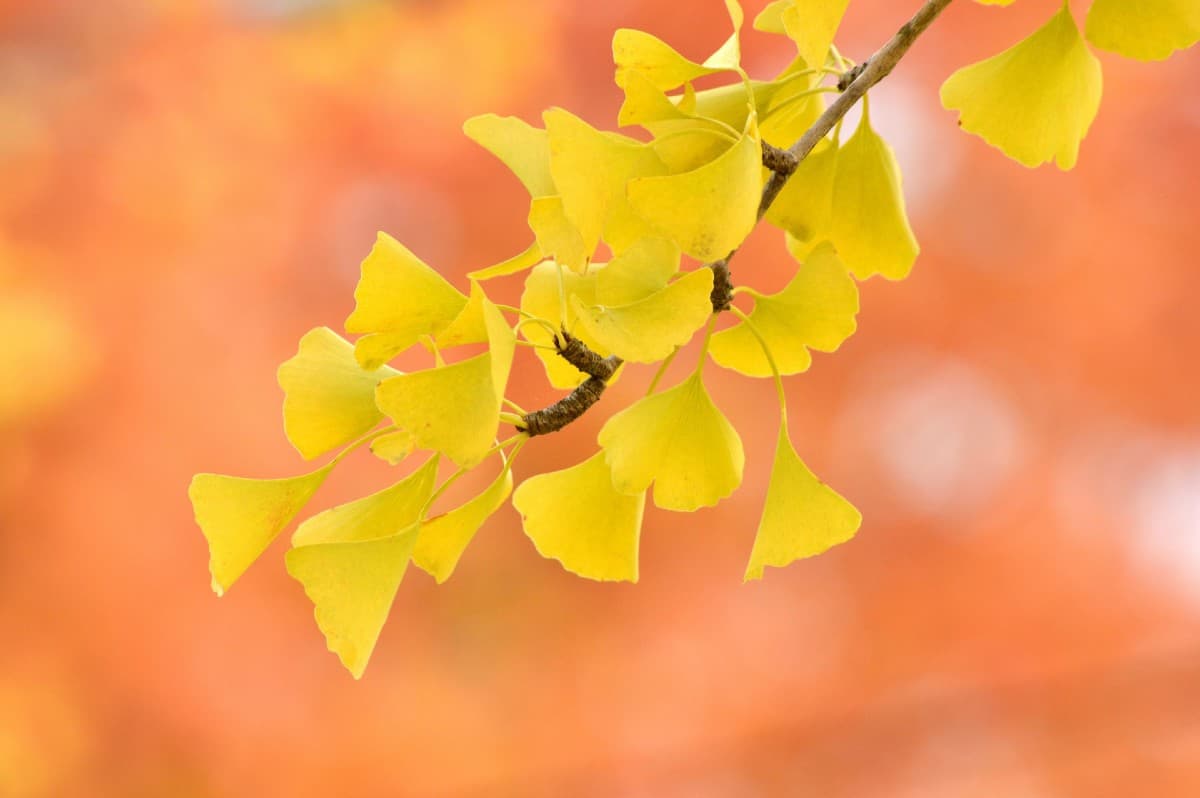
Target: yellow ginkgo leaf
{"x": 647, "y": 330}
{"x": 541, "y": 299}
{"x": 514, "y": 265}
{"x": 393, "y": 447}
{"x": 557, "y": 237}
{"x": 329, "y": 400}
{"x": 468, "y": 326}
{"x": 643, "y": 269}
{"x": 870, "y": 225}
{"x": 521, "y": 147}
{"x": 729, "y": 54}
{"x": 635, "y": 50}
{"x": 678, "y": 440}
{"x": 812, "y": 24}
{"x": 352, "y": 586}
{"x": 1036, "y": 100}
{"x": 805, "y": 205}
{"x": 240, "y": 517}
{"x": 445, "y": 537}
{"x": 350, "y": 560}
{"x": 802, "y": 516}
{"x": 816, "y": 310}
{"x": 710, "y": 210}
{"x": 730, "y": 104}
{"x": 455, "y": 409}
{"x": 678, "y": 133}
{"x": 575, "y": 516}
{"x": 770, "y": 19}
{"x": 384, "y": 513}
{"x": 1148, "y": 30}
{"x": 792, "y": 106}
{"x": 591, "y": 168}
{"x": 398, "y": 299}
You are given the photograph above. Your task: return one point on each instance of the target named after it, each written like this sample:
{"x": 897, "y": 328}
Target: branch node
{"x": 722, "y": 290}
{"x": 778, "y": 160}
{"x": 851, "y": 75}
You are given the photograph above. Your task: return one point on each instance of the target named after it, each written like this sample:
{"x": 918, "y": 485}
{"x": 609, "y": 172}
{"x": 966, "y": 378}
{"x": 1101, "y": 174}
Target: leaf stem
{"x": 770, "y": 361}
{"x": 662, "y": 369}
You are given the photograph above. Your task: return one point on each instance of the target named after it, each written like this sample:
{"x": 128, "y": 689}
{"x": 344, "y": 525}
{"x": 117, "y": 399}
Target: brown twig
{"x": 575, "y": 404}
{"x": 782, "y": 163}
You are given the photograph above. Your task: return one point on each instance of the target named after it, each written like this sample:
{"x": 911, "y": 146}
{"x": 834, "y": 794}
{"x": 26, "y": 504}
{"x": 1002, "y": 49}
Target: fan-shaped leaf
{"x": 240, "y": 517}
{"x": 445, "y": 537}
{"x": 521, "y": 147}
{"x": 802, "y": 516}
{"x": 1036, "y": 100}
{"x": 678, "y": 440}
{"x": 870, "y": 225}
{"x": 1148, "y": 30}
{"x": 398, "y": 299}
{"x": 575, "y": 516}
{"x": 455, "y": 409}
{"x": 710, "y": 210}
{"x": 816, "y": 310}
{"x": 329, "y": 400}
{"x": 647, "y": 330}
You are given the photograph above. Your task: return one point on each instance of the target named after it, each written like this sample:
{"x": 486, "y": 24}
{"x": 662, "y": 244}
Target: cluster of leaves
{"x": 692, "y": 189}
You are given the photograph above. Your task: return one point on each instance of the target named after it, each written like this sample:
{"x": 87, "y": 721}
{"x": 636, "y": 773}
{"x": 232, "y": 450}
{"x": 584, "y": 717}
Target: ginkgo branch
{"x": 853, "y": 85}
{"x": 878, "y": 66}
{"x": 575, "y": 404}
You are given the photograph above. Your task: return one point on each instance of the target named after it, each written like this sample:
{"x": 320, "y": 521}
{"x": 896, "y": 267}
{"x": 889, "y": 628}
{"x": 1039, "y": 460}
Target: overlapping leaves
{"x": 693, "y": 189}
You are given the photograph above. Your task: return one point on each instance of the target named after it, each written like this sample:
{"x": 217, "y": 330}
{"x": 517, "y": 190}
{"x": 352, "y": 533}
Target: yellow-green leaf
{"x": 557, "y": 237}
{"x": 647, "y": 330}
{"x": 710, "y": 210}
{"x": 384, "y": 513}
{"x": 240, "y": 517}
{"x": 455, "y": 409}
{"x": 635, "y": 274}
{"x": 351, "y": 558}
{"x": 329, "y": 400}
{"x": 445, "y": 537}
{"x": 805, "y": 205}
{"x": 870, "y": 226}
{"x": 541, "y": 299}
{"x": 398, "y": 299}
{"x": 1036, "y": 100}
{"x": 770, "y": 19}
{"x": 816, "y": 310}
{"x": 468, "y": 327}
{"x": 812, "y": 24}
{"x": 514, "y": 265}
{"x": 1148, "y": 30}
{"x": 729, "y": 54}
{"x": 521, "y": 147}
{"x": 352, "y": 586}
{"x": 679, "y": 441}
{"x": 661, "y": 64}
{"x": 393, "y": 447}
{"x": 802, "y": 516}
{"x": 575, "y": 516}
{"x": 791, "y": 106}
{"x": 590, "y": 169}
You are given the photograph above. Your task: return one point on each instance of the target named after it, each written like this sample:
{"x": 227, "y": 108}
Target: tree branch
{"x": 878, "y": 67}
{"x": 575, "y": 404}
{"x": 782, "y": 163}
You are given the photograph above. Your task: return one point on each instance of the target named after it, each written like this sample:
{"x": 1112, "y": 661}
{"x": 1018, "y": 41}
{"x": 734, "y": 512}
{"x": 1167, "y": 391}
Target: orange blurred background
{"x": 187, "y": 187}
